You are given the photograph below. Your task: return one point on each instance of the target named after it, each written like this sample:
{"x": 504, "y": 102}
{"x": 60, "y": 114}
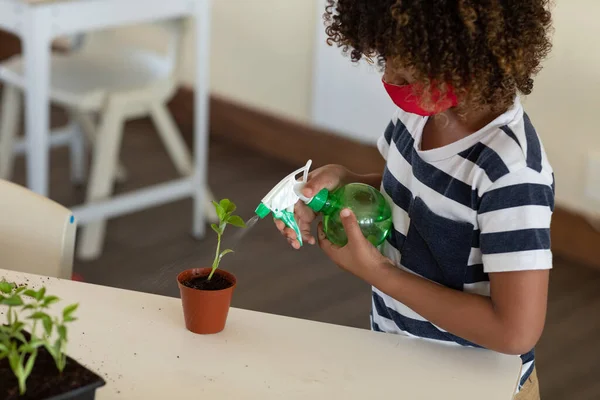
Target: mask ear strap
{"x": 385, "y": 83}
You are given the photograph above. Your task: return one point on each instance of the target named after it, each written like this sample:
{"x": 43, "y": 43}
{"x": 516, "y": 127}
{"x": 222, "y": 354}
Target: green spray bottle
{"x": 370, "y": 207}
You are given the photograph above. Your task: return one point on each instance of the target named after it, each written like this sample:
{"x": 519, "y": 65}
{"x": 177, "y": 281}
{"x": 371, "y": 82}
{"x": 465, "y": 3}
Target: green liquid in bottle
{"x": 372, "y": 211}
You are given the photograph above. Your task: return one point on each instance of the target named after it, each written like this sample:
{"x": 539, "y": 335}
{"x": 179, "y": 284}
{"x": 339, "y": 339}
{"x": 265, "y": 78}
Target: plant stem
{"x": 216, "y": 262}
{"x": 33, "y": 329}
{"x": 21, "y": 378}
{"x": 22, "y": 387}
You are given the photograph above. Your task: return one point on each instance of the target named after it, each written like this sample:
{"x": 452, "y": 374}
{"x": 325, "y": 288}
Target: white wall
{"x": 347, "y": 98}
{"x": 565, "y": 105}
{"x": 263, "y": 55}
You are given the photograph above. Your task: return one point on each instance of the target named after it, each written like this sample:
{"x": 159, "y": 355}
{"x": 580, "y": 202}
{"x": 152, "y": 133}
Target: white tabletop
{"x": 138, "y": 342}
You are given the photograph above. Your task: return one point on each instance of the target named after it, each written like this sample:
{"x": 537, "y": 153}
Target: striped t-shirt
{"x": 480, "y": 205}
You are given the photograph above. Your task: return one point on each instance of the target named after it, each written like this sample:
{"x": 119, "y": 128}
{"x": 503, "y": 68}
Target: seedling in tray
{"x": 30, "y": 330}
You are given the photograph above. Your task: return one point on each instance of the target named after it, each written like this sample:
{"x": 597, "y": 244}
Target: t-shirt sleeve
{"x": 384, "y": 141}
{"x": 514, "y": 218}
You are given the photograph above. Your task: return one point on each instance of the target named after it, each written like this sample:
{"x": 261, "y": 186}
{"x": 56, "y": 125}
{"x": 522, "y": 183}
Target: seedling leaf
{"x": 215, "y": 228}
{"x": 12, "y": 301}
{"x": 69, "y": 310}
{"x": 19, "y": 336}
{"x": 30, "y": 363}
{"x": 47, "y": 322}
{"x": 34, "y": 344}
{"x": 220, "y": 211}
{"x": 227, "y": 205}
{"x": 29, "y": 347}
{"x": 49, "y": 300}
{"x": 236, "y": 221}
{"x": 38, "y": 315}
{"x": 227, "y": 251}
{"x": 13, "y": 358}
{"x": 6, "y": 287}
{"x": 62, "y": 332}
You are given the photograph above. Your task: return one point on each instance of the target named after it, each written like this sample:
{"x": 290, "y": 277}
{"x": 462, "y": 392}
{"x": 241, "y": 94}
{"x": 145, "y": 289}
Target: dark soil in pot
{"x": 46, "y": 383}
{"x": 217, "y": 282}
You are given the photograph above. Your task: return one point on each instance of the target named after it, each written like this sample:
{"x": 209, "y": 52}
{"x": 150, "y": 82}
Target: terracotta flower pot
{"x": 205, "y": 311}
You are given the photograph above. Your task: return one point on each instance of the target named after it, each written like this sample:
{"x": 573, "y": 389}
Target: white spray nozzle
{"x": 282, "y": 198}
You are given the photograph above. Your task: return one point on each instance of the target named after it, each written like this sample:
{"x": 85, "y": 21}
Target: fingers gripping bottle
{"x": 370, "y": 207}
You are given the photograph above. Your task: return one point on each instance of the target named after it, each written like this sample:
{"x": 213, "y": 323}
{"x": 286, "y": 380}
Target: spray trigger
{"x": 283, "y": 197}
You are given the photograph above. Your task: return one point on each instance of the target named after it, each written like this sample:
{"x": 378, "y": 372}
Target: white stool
{"x": 111, "y": 81}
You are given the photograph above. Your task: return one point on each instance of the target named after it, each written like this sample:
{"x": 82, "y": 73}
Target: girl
{"x": 468, "y": 179}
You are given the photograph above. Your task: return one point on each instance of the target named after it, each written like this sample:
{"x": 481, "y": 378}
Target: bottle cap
{"x": 317, "y": 202}
{"x": 262, "y": 210}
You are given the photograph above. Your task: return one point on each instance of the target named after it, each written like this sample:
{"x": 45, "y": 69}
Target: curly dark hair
{"x": 488, "y": 50}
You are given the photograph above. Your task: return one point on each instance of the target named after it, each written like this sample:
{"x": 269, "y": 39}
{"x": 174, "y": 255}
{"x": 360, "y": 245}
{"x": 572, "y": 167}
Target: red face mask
{"x": 403, "y": 97}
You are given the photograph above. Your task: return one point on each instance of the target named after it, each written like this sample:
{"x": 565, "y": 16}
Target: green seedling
{"x": 225, "y": 209}
{"x": 28, "y": 312}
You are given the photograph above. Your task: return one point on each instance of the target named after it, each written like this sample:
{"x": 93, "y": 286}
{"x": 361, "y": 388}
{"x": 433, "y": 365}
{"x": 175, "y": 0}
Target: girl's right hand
{"x": 327, "y": 177}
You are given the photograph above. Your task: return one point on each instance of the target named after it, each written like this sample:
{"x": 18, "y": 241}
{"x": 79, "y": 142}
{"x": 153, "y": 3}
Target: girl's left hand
{"x": 358, "y": 256}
